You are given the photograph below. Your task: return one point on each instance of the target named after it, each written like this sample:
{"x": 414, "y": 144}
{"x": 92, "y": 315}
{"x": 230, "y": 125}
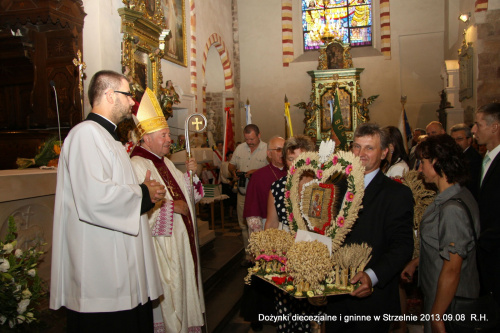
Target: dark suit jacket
{"x": 475, "y": 162}
{"x": 489, "y": 240}
{"x": 384, "y": 223}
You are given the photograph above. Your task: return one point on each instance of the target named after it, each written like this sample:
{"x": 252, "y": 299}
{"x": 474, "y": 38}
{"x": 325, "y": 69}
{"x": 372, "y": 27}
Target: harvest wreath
{"x": 310, "y": 268}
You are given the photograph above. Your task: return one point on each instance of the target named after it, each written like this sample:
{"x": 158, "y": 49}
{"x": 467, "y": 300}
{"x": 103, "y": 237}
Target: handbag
{"x": 472, "y": 314}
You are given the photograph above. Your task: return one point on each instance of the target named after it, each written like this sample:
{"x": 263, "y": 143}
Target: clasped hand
{"x": 156, "y": 190}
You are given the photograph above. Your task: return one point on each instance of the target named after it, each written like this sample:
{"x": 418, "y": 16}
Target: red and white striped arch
{"x": 219, "y": 44}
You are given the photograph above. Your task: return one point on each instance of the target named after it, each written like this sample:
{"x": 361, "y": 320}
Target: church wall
{"x": 417, "y": 41}
{"x": 101, "y": 39}
{"x": 211, "y": 17}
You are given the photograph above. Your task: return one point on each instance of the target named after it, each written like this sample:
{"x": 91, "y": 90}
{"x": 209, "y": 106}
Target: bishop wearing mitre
{"x": 171, "y": 221}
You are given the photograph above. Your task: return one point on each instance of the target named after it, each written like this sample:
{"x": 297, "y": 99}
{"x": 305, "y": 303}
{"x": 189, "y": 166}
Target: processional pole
{"x": 198, "y": 127}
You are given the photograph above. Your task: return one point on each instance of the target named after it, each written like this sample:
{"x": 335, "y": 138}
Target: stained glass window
{"x": 346, "y": 20}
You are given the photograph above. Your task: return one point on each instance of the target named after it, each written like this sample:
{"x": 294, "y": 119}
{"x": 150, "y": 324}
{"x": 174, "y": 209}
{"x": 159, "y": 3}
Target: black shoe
{"x": 256, "y": 326}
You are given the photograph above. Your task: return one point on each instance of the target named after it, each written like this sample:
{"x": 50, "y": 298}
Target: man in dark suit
{"x": 463, "y": 137}
{"x": 487, "y": 132}
{"x": 384, "y": 223}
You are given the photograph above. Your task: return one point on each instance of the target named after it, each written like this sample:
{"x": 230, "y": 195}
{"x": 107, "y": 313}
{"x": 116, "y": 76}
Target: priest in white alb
{"x": 104, "y": 269}
{"x": 182, "y": 306}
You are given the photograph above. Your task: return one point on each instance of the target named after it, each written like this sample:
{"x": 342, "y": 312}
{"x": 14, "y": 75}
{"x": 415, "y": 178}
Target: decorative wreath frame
{"x": 340, "y": 162}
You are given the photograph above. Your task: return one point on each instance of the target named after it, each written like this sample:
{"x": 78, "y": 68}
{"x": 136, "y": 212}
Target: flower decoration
{"x": 340, "y": 221}
{"x": 348, "y": 169}
{"x": 20, "y": 286}
{"x": 337, "y": 163}
{"x": 48, "y": 154}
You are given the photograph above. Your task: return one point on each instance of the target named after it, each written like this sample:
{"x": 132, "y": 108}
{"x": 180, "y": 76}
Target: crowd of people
{"x": 125, "y": 255}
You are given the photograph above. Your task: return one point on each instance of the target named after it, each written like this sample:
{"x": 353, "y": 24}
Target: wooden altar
{"x": 38, "y": 42}
{"x": 334, "y": 72}
{"x": 324, "y": 83}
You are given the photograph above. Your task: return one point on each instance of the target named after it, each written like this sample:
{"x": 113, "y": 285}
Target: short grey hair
{"x": 369, "y": 129}
{"x": 461, "y": 127}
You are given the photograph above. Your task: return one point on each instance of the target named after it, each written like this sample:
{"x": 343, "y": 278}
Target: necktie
{"x": 486, "y": 159}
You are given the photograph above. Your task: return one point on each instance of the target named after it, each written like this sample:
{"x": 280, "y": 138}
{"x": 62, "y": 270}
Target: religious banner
{"x": 337, "y": 123}
{"x": 228, "y": 134}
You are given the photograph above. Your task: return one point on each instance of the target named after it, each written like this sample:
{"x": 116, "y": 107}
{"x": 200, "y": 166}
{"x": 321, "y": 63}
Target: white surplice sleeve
{"x": 107, "y": 193}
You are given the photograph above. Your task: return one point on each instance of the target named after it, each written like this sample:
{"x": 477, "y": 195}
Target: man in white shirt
{"x": 248, "y": 157}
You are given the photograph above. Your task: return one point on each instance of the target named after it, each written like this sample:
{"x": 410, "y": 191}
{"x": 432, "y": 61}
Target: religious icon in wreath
{"x": 315, "y": 262}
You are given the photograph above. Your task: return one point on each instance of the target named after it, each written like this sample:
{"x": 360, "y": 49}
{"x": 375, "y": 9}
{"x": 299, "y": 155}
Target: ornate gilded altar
{"x": 143, "y": 48}
{"x": 334, "y": 71}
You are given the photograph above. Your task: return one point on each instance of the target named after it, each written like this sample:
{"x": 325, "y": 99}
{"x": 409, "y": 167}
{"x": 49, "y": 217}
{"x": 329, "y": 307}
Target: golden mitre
{"x": 150, "y": 115}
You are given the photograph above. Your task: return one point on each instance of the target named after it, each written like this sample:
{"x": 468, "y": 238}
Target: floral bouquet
{"x": 20, "y": 286}
{"x": 48, "y": 154}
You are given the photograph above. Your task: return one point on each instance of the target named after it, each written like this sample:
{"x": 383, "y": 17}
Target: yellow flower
{"x": 290, "y": 288}
{"x": 57, "y": 149}
{"x": 310, "y": 293}
{"x": 298, "y": 294}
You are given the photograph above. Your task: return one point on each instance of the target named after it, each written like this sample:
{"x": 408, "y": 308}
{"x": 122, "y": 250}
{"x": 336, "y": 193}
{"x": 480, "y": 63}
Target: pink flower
{"x": 348, "y": 169}
{"x": 308, "y": 161}
{"x": 292, "y": 170}
{"x": 335, "y": 160}
{"x": 349, "y": 196}
{"x": 290, "y": 217}
{"x": 340, "y": 221}
{"x": 287, "y": 194}
{"x": 319, "y": 173}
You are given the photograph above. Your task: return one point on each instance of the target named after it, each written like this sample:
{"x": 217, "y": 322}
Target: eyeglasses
{"x": 279, "y": 149}
{"x": 129, "y": 94}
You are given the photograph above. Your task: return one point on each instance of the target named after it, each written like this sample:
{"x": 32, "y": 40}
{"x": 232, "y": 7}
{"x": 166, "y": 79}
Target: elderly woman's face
{"x": 292, "y": 155}
{"x": 427, "y": 169}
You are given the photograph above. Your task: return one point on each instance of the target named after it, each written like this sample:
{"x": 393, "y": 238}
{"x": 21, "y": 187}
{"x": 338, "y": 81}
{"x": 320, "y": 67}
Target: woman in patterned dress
{"x": 276, "y": 218}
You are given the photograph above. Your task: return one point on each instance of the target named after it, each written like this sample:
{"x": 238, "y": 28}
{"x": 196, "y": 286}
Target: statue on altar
{"x": 168, "y": 97}
{"x": 135, "y": 87}
{"x": 211, "y": 128}
{"x": 334, "y": 55}
{"x": 443, "y": 105}
{"x": 363, "y": 111}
